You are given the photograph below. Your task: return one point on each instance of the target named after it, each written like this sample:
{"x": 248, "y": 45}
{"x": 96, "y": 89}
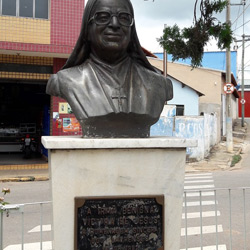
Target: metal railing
{"x": 216, "y": 219}
{"x": 22, "y": 210}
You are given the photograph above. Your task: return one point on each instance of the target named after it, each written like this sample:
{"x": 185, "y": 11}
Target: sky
{"x": 151, "y": 15}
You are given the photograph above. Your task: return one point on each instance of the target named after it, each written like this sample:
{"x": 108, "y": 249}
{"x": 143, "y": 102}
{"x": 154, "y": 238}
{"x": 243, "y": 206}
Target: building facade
{"x": 210, "y": 83}
{"x": 211, "y": 60}
{"x": 246, "y": 98}
{"x": 36, "y": 38}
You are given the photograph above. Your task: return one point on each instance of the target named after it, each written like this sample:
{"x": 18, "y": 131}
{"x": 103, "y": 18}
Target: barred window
{"x": 25, "y": 8}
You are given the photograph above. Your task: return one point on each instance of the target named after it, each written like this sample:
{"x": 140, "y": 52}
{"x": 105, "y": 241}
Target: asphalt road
{"x": 28, "y": 218}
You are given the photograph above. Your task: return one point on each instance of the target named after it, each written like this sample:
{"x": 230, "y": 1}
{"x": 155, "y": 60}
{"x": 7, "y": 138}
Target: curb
{"x": 24, "y": 179}
{"x": 24, "y": 167}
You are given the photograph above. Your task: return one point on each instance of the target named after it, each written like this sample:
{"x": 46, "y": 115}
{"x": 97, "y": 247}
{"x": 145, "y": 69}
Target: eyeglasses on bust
{"x": 104, "y": 18}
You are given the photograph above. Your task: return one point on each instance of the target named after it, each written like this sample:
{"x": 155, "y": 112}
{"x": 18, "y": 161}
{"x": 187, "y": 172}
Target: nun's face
{"x": 109, "y": 27}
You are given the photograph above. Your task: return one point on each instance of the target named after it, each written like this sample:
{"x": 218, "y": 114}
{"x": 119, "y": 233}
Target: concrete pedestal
{"x": 116, "y": 167}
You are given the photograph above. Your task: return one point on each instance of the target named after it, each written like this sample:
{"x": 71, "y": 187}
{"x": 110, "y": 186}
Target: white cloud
{"x": 150, "y": 17}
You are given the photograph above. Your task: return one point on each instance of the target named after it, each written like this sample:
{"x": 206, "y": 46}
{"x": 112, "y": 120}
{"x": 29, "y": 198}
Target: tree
{"x": 190, "y": 42}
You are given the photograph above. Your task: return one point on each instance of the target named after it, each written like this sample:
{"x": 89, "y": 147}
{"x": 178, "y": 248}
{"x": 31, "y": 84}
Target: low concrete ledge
{"x": 67, "y": 142}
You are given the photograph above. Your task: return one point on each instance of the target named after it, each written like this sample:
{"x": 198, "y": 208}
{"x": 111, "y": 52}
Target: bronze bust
{"x": 111, "y": 87}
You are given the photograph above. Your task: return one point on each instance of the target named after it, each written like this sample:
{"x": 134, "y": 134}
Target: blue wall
{"x": 185, "y": 96}
{"x": 212, "y": 60}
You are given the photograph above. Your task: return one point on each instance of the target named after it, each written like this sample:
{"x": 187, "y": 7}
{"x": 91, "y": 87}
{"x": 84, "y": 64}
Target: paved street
{"x": 28, "y": 192}
{"x": 228, "y": 202}
{"x": 211, "y": 205}
{"x": 216, "y": 210}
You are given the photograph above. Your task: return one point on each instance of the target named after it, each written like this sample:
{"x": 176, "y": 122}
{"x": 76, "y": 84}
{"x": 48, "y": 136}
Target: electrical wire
{"x": 241, "y": 14}
{"x": 242, "y": 25}
{"x": 237, "y": 18}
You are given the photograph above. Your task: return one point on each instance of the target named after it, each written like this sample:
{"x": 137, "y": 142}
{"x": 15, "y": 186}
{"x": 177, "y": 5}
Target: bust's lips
{"x": 111, "y": 35}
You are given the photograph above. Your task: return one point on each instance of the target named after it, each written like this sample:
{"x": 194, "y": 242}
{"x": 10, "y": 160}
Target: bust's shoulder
{"x": 150, "y": 74}
{"x": 73, "y": 72}
{"x": 67, "y": 78}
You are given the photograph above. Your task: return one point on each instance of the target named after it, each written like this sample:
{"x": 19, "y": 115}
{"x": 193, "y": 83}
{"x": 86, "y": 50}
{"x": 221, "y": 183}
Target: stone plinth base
{"x": 116, "y": 167}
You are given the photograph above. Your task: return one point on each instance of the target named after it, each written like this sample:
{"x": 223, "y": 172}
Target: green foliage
{"x": 235, "y": 160}
{"x": 190, "y": 42}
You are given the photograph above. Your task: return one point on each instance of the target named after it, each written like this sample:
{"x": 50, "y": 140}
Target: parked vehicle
{"x": 28, "y": 146}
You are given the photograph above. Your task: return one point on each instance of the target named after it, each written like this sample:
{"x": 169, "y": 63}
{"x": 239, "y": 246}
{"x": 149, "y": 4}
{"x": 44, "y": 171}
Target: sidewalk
{"x": 13, "y": 167}
{"x": 218, "y": 160}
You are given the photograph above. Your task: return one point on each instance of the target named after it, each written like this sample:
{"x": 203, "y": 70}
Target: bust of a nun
{"x": 107, "y": 80}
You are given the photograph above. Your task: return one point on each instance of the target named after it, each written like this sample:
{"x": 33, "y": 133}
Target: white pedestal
{"x": 116, "y": 167}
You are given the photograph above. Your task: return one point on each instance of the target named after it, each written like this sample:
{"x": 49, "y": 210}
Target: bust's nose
{"x": 114, "y": 23}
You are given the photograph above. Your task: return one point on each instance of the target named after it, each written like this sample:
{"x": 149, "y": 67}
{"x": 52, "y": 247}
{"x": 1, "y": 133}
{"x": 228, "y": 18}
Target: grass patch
{"x": 235, "y": 160}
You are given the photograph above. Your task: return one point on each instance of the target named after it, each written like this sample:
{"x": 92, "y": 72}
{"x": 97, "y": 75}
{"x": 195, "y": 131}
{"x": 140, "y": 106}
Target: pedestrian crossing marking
{"x": 205, "y": 230}
{"x": 47, "y": 245}
{"x": 199, "y": 187}
{"x": 197, "y": 194}
{"x": 198, "y": 181}
{"x": 201, "y": 174}
{"x": 197, "y": 177}
{"x": 198, "y": 214}
{"x": 198, "y": 203}
{"x": 220, "y": 247}
{"x": 37, "y": 229}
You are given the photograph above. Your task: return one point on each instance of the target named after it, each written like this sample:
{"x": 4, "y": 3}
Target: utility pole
{"x": 165, "y": 59}
{"x": 229, "y": 124}
{"x": 244, "y": 39}
{"x": 242, "y": 70}
{"x": 242, "y": 81}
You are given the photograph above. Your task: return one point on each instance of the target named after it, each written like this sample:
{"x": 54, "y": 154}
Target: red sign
{"x": 228, "y": 88}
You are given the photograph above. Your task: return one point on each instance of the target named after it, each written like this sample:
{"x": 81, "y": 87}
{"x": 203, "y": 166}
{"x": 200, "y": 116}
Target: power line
{"x": 237, "y": 18}
{"x": 247, "y": 63}
{"x": 241, "y": 14}
{"x": 242, "y": 25}
{"x": 247, "y": 46}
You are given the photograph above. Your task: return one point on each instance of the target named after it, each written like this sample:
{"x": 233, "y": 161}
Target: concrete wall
{"x": 234, "y": 103}
{"x": 186, "y": 96}
{"x": 214, "y": 109}
{"x": 202, "y": 128}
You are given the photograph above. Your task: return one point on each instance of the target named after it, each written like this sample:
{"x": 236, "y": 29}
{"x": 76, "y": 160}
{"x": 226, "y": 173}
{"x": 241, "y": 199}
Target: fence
{"x": 212, "y": 219}
{"x": 16, "y": 222}
{"x": 216, "y": 219}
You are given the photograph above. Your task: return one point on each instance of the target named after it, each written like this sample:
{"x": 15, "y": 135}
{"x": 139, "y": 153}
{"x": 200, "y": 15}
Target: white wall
{"x": 234, "y": 103}
{"x": 201, "y": 128}
{"x": 185, "y": 96}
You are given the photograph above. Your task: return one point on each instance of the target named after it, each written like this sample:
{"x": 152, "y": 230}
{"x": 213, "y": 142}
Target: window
{"x": 41, "y": 9}
{"x": 179, "y": 110}
{"x": 25, "y": 8}
{"x": 9, "y": 7}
